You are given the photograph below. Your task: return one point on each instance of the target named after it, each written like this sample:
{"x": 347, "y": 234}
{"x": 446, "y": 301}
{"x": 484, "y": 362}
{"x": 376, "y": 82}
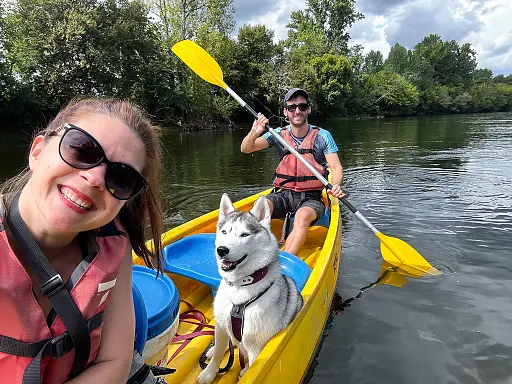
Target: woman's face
{"x": 76, "y": 200}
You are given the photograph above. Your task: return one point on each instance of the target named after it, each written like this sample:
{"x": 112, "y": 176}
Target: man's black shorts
{"x": 285, "y": 201}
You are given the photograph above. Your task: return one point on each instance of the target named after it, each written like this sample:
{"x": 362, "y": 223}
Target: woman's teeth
{"x": 68, "y": 194}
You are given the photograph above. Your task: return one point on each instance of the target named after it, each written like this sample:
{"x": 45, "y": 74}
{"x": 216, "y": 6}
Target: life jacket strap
{"x": 56, "y": 347}
{"x": 290, "y": 179}
{"x": 62, "y": 302}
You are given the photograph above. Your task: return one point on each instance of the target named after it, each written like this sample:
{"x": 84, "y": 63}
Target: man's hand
{"x": 258, "y": 126}
{"x": 336, "y": 191}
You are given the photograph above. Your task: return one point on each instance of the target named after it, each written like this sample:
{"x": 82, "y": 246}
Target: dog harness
{"x": 291, "y": 173}
{"x": 35, "y": 349}
{"x": 238, "y": 310}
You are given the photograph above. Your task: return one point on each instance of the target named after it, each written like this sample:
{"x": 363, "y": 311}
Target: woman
{"x": 86, "y": 197}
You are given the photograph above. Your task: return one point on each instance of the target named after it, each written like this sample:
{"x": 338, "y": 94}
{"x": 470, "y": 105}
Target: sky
{"x": 483, "y": 23}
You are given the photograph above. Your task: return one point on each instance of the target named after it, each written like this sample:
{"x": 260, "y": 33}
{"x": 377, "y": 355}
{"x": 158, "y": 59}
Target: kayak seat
{"x": 194, "y": 257}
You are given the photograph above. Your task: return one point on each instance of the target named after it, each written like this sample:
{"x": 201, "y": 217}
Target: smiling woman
{"x": 89, "y": 189}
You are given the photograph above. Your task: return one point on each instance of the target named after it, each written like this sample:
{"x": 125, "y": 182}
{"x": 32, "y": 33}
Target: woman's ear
{"x": 35, "y": 151}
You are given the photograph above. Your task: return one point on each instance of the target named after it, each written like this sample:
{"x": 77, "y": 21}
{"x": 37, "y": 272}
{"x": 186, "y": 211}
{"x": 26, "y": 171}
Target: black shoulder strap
{"x": 52, "y": 286}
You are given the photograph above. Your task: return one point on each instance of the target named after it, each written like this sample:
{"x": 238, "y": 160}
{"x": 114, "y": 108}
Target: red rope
{"x": 202, "y": 322}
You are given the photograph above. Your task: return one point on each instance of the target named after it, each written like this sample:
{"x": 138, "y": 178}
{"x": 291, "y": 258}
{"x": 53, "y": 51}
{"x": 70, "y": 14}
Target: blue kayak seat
{"x": 194, "y": 257}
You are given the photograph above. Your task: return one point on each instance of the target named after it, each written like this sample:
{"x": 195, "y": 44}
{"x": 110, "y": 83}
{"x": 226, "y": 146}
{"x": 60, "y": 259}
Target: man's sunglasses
{"x": 80, "y": 150}
{"x": 292, "y": 107}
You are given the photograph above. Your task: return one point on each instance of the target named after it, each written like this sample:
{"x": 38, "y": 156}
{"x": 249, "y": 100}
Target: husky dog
{"x": 255, "y": 301}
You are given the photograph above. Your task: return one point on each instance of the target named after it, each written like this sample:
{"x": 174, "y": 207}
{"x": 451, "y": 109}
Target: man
{"x": 296, "y": 189}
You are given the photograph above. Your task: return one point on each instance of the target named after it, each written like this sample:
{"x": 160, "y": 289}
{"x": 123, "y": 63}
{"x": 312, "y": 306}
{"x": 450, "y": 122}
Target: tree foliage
{"x": 54, "y": 50}
{"x": 323, "y": 26}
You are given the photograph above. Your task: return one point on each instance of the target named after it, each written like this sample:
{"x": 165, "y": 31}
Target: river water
{"x": 442, "y": 184}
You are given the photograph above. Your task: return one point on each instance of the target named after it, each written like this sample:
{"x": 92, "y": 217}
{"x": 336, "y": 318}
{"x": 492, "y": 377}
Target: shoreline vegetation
{"x": 54, "y": 50}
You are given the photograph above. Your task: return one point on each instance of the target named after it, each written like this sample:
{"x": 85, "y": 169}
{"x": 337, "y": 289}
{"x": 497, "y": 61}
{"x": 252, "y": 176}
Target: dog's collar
{"x": 250, "y": 279}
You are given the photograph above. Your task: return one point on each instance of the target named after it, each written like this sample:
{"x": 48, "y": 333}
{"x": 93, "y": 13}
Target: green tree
{"x": 323, "y": 26}
{"x": 503, "y": 79}
{"x": 392, "y": 93}
{"x": 63, "y": 49}
{"x": 491, "y": 97}
{"x": 333, "y": 74}
{"x": 453, "y": 64}
{"x": 181, "y": 19}
{"x": 399, "y": 59}
{"x": 253, "y": 64}
{"x": 373, "y": 62}
{"x": 411, "y": 65}
{"x": 482, "y": 76}
{"x": 437, "y": 99}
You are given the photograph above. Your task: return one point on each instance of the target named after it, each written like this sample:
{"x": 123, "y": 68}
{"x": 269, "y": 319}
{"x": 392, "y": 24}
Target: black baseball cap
{"x": 293, "y": 91}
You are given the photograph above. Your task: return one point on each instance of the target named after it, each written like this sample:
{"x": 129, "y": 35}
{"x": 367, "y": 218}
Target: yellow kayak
{"x": 287, "y": 356}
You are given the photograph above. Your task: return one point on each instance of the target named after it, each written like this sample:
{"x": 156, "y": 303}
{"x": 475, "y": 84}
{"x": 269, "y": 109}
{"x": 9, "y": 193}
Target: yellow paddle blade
{"x": 400, "y": 254}
{"x": 200, "y": 62}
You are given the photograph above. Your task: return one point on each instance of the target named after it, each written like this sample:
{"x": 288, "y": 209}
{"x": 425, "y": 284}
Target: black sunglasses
{"x": 302, "y": 107}
{"x": 80, "y": 150}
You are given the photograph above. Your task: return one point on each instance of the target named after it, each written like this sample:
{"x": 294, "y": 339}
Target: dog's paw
{"x": 242, "y": 372}
{"x": 209, "y": 353}
{"x": 207, "y": 376}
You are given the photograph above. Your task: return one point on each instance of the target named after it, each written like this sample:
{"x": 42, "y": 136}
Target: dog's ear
{"x": 226, "y": 206}
{"x": 261, "y": 211}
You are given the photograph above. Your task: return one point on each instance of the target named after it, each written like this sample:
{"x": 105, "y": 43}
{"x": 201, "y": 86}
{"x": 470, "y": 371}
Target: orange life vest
{"x": 22, "y": 321}
{"x": 291, "y": 173}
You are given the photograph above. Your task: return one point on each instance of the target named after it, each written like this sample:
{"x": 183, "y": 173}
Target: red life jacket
{"x": 22, "y": 320}
{"x": 291, "y": 173}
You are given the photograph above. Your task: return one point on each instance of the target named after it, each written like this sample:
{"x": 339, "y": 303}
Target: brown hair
{"x": 147, "y": 204}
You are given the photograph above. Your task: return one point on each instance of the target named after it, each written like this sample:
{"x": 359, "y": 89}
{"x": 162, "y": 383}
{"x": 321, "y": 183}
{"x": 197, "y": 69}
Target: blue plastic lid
{"x": 141, "y": 319}
{"x": 161, "y": 298}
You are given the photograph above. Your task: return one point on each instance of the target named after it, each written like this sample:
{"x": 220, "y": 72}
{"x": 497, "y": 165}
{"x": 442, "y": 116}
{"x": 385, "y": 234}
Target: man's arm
{"x": 253, "y": 142}
{"x": 333, "y": 161}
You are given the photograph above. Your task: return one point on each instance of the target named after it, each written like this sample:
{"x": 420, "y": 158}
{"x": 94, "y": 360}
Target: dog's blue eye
{"x": 223, "y": 231}
{"x": 245, "y": 234}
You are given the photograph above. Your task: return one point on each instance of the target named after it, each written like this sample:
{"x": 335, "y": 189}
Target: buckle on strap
{"x": 61, "y": 345}
{"x": 52, "y": 286}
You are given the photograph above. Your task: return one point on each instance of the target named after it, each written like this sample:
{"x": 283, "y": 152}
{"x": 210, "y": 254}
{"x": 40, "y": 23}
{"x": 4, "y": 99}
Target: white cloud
{"x": 275, "y": 14}
{"x": 483, "y": 23}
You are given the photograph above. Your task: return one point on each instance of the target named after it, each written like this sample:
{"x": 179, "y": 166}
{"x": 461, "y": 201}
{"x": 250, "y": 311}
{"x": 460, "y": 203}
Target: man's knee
{"x": 270, "y": 205}
{"x": 304, "y": 217}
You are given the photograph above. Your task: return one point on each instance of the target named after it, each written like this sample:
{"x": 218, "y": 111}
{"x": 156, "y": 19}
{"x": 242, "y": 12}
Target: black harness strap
{"x": 289, "y": 178}
{"x": 52, "y": 286}
{"x": 302, "y": 151}
{"x": 238, "y": 310}
{"x": 60, "y": 345}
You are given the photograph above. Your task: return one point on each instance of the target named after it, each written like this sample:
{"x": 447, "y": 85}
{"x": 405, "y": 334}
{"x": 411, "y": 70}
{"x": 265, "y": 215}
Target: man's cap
{"x": 293, "y": 91}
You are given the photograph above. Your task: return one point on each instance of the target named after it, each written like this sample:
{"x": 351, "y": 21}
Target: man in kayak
{"x": 296, "y": 190}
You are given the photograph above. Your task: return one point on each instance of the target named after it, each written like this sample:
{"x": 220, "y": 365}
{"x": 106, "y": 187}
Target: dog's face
{"x": 244, "y": 242}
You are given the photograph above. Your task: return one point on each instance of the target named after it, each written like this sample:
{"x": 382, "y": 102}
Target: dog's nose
{"x": 222, "y": 251}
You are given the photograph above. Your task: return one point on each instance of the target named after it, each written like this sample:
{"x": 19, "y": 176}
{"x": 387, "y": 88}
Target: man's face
{"x": 297, "y": 110}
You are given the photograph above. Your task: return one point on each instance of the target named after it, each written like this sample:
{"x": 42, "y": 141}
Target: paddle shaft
{"x": 302, "y": 160}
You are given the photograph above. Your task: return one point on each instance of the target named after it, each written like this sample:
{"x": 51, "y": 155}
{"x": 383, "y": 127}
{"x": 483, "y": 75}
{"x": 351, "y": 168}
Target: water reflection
{"x": 388, "y": 275}
{"x": 442, "y": 184}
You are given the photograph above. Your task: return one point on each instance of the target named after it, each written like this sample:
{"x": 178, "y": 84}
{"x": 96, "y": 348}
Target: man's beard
{"x": 298, "y": 120}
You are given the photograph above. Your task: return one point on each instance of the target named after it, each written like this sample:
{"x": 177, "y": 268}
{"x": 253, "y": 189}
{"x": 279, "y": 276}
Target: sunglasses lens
{"x": 79, "y": 150}
{"x": 123, "y": 181}
{"x": 302, "y": 107}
